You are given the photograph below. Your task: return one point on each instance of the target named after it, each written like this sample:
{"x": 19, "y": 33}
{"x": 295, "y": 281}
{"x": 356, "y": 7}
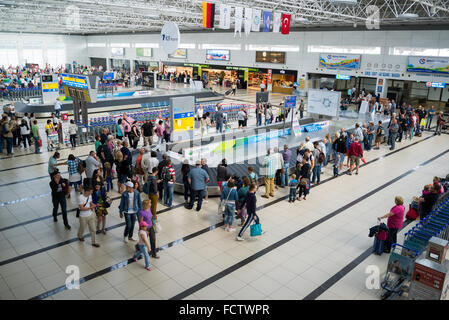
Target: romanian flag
{"x": 208, "y": 15}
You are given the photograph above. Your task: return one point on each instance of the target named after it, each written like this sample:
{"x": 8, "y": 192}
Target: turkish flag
{"x": 286, "y": 23}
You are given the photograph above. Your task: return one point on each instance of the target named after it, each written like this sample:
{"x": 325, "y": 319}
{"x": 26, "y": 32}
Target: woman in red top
{"x": 394, "y": 222}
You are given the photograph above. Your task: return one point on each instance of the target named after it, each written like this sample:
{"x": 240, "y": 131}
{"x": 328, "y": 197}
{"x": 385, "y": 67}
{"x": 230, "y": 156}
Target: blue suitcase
{"x": 378, "y": 246}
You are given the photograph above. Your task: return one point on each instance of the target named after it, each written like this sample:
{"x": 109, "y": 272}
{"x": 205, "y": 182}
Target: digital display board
{"x": 220, "y": 55}
{"x": 144, "y": 52}
{"x": 343, "y": 77}
{"x": 74, "y": 80}
{"x": 47, "y": 78}
{"x": 118, "y": 52}
{"x": 435, "y": 85}
{"x": 270, "y": 57}
{"x": 179, "y": 54}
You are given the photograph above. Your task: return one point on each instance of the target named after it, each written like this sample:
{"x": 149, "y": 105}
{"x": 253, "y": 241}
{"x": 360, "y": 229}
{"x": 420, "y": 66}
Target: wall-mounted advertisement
{"x": 220, "y": 55}
{"x": 118, "y": 52}
{"x": 270, "y": 57}
{"x": 428, "y": 65}
{"x": 339, "y": 61}
{"x": 144, "y": 52}
{"x": 179, "y": 54}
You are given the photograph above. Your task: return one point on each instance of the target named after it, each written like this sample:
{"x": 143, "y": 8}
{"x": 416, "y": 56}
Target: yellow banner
{"x": 183, "y": 124}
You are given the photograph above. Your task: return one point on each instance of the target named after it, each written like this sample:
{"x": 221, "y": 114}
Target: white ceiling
{"x": 124, "y": 16}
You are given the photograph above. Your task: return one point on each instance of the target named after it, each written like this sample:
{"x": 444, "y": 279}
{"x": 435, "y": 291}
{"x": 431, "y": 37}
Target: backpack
{"x": 165, "y": 175}
{"x": 81, "y": 165}
{"x": 251, "y": 180}
{"x": 321, "y": 157}
{"x": 4, "y": 131}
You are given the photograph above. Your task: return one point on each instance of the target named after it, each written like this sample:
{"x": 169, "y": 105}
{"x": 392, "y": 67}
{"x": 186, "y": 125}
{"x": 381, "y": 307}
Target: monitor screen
{"x": 179, "y": 54}
{"x": 118, "y": 52}
{"x": 221, "y": 55}
{"x": 144, "y": 52}
{"x": 47, "y": 78}
{"x": 270, "y": 57}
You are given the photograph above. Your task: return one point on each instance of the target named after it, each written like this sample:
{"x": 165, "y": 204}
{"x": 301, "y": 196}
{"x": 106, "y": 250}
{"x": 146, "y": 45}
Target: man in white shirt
{"x": 151, "y": 162}
{"x": 86, "y": 215}
{"x": 58, "y": 108}
{"x": 92, "y": 164}
{"x": 262, "y": 87}
{"x": 309, "y": 145}
{"x": 199, "y": 113}
{"x": 145, "y": 162}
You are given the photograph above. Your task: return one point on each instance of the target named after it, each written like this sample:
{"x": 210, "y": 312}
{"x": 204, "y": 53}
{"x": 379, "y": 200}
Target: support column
{"x": 382, "y": 87}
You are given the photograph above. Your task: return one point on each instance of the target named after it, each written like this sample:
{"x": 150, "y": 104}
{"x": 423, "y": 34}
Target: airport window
{"x": 146, "y": 45}
{"x": 56, "y": 56}
{"x": 221, "y": 46}
{"x": 96, "y": 45}
{"x": 344, "y": 49}
{"x": 8, "y": 57}
{"x": 120, "y": 45}
{"x": 284, "y": 48}
{"x": 407, "y": 51}
{"x": 33, "y": 56}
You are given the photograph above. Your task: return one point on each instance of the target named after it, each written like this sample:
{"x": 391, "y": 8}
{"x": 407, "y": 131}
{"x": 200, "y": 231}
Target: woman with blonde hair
{"x": 394, "y": 222}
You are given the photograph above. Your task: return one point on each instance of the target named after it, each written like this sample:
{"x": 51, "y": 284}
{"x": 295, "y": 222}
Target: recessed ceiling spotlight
{"x": 343, "y": 2}
{"x": 408, "y": 16}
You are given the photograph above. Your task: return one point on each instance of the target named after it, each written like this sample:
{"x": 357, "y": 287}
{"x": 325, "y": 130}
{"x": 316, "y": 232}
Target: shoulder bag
{"x": 78, "y": 209}
{"x": 222, "y": 205}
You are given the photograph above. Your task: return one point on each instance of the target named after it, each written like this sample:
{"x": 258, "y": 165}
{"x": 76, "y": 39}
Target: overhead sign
{"x": 108, "y": 76}
{"x": 290, "y": 102}
{"x": 170, "y": 37}
{"x": 435, "y": 84}
{"x": 342, "y": 77}
{"x": 339, "y": 61}
{"x": 50, "y": 87}
{"x": 73, "y": 80}
{"x": 428, "y": 65}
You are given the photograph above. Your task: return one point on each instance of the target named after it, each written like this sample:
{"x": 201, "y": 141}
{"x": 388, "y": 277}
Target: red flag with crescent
{"x": 286, "y": 23}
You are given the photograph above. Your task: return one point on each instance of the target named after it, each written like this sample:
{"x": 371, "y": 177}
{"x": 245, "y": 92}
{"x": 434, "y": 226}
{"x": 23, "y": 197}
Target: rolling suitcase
{"x": 378, "y": 246}
{"x": 335, "y": 171}
{"x": 228, "y": 92}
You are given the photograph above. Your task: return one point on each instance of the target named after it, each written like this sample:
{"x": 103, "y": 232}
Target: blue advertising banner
{"x": 267, "y": 16}
{"x": 428, "y": 65}
{"x": 73, "y": 80}
{"x": 108, "y": 76}
{"x": 290, "y": 102}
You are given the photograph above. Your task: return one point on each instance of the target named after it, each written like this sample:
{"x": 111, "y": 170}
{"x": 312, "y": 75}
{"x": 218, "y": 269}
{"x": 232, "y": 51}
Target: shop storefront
{"x": 151, "y": 66}
{"x": 219, "y": 77}
{"x": 121, "y": 64}
{"x": 276, "y": 80}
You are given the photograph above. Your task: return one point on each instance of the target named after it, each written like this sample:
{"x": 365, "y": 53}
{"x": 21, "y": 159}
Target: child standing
{"x": 293, "y": 184}
{"x": 252, "y": 176}
{"x": 143, "y": 245}
{"x": 108, "y": 176}
{"x": 230, "y": 195}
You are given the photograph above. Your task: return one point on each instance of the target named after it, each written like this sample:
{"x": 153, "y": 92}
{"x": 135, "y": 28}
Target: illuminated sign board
{"x": 75, "y": 81}
{"x": 343, "y": 77}
{"x": 435, "y": 85}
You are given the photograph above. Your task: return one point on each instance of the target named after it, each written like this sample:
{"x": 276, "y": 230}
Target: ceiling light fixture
{"x": 7, "y": 3}
{"x": 344, "y": 2}
{"x": 408, "y": 16}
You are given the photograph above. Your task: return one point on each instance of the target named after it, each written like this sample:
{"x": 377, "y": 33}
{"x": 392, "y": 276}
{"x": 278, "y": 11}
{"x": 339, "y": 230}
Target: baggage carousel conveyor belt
{"x": 116, "y": 104}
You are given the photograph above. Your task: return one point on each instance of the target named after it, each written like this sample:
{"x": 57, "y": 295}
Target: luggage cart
{"x": 52, "y": 141}
{"x": 399, "y": 271}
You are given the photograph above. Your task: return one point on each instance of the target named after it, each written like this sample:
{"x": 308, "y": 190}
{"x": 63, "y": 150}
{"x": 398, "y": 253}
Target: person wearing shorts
{"x": 355, "y": 152}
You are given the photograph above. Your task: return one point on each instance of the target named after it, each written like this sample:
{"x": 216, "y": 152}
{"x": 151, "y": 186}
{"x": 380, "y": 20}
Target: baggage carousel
{"x": 121, "y": 101}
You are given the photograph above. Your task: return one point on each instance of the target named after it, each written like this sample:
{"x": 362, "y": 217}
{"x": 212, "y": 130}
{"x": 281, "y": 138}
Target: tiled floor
{"x": 268, "y": 267}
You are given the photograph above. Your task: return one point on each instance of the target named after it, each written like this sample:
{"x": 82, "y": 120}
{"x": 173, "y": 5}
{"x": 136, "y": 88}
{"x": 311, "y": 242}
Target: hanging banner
{"x": 246, "y": 75}
{"x": 256, "y": 20}
{"x": 428, "y": 65}
{"x": 286, "y": 23}
{"x": 266, "y": 21}
{"x": 269, "y": 79}
{"x": 238, "y": 16}
{"x": 225, "y": 16}
{"x": 170, "y": 37}
{"x": 248, "y": 20}
{"x": 339, "y": 61}
{"x": 208, "y": 15}
{"x": 276, "y": 22}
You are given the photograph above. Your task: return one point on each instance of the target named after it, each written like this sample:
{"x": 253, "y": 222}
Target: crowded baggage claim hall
{"x": 244, "y": 150}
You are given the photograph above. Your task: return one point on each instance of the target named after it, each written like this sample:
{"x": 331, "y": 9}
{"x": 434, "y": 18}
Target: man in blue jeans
{"x": 430, "y": 115}
{"x": 198, "y": 179}
{"x": 318, "y": 163}
{"x": 287, "y": 156}
{"x": 219, "y": 119}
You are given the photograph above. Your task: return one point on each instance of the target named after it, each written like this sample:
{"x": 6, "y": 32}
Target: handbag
{"x": 39, "y": 142}
{"x": 78, "y": 209}
{"x": 222, "y": 205}
{"x": 157, "y": 227}
{"x": 107, "y": 202}
{"x": 256, "y": 230}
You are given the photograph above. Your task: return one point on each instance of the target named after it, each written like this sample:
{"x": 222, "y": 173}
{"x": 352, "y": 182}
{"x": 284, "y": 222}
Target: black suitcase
{"x": 228, "y": 92}
{"x": 335, "y": 171}
{"x": 278, "y": 179}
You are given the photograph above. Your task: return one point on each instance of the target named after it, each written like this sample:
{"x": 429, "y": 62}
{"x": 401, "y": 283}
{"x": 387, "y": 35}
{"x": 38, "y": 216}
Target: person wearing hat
{"x": 143, "y": 245}
{"x": 130, "y": 206}
{"x": 198, "y": 179}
